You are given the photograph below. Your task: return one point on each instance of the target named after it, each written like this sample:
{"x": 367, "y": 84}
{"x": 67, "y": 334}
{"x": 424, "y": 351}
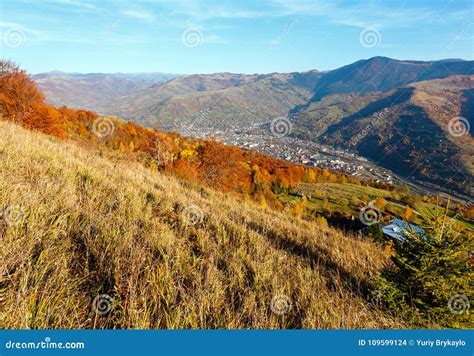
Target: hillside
{"x": 407, "y": 130}
{"x": 93, "y": 91}
{"x": 217, "y": 101}
{"x": 382, "y": 73}
{"x": 244, "y": 173}
{"x": 331, "y": 108}
{"x": 107, "y": 224}
{"x": 78, "y": 224}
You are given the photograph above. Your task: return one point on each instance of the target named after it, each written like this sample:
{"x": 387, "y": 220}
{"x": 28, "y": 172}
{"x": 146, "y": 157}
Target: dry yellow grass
{"x": 168, "y": 254}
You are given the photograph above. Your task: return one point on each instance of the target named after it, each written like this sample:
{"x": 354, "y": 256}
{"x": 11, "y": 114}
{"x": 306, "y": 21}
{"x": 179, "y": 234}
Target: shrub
{"x": 375, "y": 232}
{"x": 321, "y": 220}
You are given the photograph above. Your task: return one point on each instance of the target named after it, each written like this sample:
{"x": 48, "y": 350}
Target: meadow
{"x": 93, "y": 239}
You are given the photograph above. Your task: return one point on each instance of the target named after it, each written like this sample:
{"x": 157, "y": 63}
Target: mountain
{"x": 93, "y": 90}
{"x": 382, "y": 73}
{"x": 216, "y": 101}
{"x": 324, "y": 107}
{"x": 410, "y": 130}
{"x": 108, "y": 224}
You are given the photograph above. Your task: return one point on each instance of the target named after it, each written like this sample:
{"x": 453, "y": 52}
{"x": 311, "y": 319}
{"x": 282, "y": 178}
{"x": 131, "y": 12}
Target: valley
{"x": 379, "y": 118}
{"x": 188, "y": 232}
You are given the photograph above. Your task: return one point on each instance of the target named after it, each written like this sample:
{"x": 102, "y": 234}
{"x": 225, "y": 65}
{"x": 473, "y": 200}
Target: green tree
{"x": 430, "y": 275}
{"x": 375, "y": 231}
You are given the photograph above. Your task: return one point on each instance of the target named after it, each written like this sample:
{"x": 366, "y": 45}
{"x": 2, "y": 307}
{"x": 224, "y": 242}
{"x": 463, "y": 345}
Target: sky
{"x": 240, "y": 36}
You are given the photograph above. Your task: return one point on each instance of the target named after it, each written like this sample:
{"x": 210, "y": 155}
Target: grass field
{"x": 342, "y": 198}
{"x": 92, "y": 240}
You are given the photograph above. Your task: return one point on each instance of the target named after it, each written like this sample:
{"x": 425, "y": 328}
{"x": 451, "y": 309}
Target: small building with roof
{"x": 398, "y": 229}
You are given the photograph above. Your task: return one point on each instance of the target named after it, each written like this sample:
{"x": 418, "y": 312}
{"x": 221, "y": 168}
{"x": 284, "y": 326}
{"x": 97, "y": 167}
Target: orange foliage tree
{"x": 22, "y": 102}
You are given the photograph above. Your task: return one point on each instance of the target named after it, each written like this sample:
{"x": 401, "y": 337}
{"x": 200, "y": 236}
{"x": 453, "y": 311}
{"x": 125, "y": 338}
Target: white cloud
{"x": 139, "y": 14}
{"x": 215, "y": 39}
{"x": 12, "y": 25}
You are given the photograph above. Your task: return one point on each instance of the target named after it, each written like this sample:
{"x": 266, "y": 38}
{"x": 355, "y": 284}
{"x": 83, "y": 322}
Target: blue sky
{"x": 206, "y": 36}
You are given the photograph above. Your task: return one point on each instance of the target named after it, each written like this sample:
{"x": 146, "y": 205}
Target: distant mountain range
{"x": 398, "y": 113}
{"x": 93, "y": 91}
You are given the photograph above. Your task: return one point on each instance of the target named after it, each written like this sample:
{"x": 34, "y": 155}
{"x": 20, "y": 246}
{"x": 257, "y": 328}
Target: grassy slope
{"x": 94, "y": 224}
{"x": 340, "y": 196}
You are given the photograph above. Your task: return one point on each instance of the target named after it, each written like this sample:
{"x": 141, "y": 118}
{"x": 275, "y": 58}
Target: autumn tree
{"x": 407, "y": 213}
{"x": 380, "y": 203}
{"x": 18, "y": 93}
{"x": 22, "y": 102}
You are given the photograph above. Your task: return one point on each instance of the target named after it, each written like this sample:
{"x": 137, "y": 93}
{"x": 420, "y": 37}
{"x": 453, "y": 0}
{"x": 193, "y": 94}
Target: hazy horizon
{"x": 246, "y": 73}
